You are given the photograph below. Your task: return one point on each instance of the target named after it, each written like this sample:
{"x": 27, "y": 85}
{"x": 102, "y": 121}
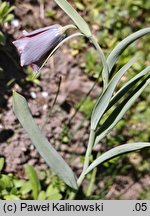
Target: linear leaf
{"x": 33, "y": 177}
{"x": 126, "y": 148}
{"x": 2, "y": 161}
{"x": 53, "y": 159}
{"x": 131, "y": 83}
{"x": 104, "y": 99}
{"x": 120, "y": 110}
{"x": 105, "y": 72}
{"x": 116, "y": 52}
{"x": 74, "y": 15}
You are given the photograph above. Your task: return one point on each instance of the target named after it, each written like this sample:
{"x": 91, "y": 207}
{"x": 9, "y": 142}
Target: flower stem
{"x": 91, "y": 184}
{"x": 86, "y": 162}
{"x": 37, "y": 74}
{"x": 65, "y": 28}
{"x": 87, "y": 157}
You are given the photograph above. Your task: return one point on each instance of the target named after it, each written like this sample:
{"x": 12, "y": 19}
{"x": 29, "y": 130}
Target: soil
{"x": 15, "y": 145}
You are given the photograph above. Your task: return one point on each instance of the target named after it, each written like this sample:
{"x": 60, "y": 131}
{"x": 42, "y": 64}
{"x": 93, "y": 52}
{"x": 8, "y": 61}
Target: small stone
{"x": 15, "y": 22}
{"x": 45, "y": 94}
{"x": 33, "y": 95}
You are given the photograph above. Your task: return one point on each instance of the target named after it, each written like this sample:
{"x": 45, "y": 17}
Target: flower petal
{"x": 35, "y": 46}
{"x": 20, "y": 44}
{"x": 39, "y": 45}
{"x": 41, "y": 30}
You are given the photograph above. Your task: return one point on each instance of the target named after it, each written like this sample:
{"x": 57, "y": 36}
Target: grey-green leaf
{"x": 120, "y": 110}
{"x": 73, "y": 14}
{"x": 126, "y": 148}
{"x": 116, "y": 52}
{"x": 105, "y": 98}
{"x": 131, "y": 83}
{"x": 53, "y": 159}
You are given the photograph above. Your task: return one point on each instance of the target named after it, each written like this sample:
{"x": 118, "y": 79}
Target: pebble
{"x": 33, "y": 95}
{"x": 45, "y": 94}
{"x": 15, "y": 23}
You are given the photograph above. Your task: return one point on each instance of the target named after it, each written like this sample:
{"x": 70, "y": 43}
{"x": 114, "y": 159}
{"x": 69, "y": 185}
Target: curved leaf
{"x": 105, "y": 98}
{"x": 73, "y": 14}
{"x": 120, "y": 110}
{"x": 126, "y": 148}
{"x": 127, "y": 86}
{"x": 53, "y": 159}
{"x": 116, "y": 52}
{"x": 105, "y": 72}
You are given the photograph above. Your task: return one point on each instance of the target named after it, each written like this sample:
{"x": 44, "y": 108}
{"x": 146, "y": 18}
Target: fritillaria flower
{"x": 34, "y": 47}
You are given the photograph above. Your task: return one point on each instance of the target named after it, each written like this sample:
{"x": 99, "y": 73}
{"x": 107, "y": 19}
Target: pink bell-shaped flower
{"x": 34, "y": 47}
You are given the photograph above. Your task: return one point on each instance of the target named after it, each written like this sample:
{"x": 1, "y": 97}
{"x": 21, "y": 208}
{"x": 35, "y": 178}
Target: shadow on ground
{"x": 10, "y": 74}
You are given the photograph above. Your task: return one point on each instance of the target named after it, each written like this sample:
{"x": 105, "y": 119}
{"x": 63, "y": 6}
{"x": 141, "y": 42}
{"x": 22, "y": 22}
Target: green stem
{"x": 36, "y": 75}
{"x": 65, "y": 28}
{"x": 86, "y": 162}
{"x": 87, "y": 157}
{"x": 91, "y": 184}
{"x": 105, "y": 73}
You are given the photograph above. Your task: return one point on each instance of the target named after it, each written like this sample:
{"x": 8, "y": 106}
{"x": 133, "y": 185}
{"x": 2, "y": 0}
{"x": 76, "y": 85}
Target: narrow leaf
{"x": 119, "y": 111}
{"x": 105, "y": 72}
{"x": 33, "y": 177}
{"x": 105, "y": 98}
{"x": 74, "y": 15}
{"x": 26, "y": 188}
{"x": 53, "y": 159}
{"x": 131, "y": 83}
{"x": 116, "y": 52}
{"x": 119, "y": 150}
{"x": 2, "y": 161}
{"x": 11, "y": 197}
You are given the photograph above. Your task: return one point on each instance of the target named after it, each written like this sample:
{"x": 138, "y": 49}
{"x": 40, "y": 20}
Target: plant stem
{"x": 91, "y": 184}
{"x": 87, "y": 156}
{"x": 105, "y": 73}
{"x": 36, "y": 75}
{"x": 65, "y": 28}
{"x": 86, "y": 162}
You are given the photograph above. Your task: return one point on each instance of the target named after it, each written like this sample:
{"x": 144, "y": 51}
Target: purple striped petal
{"x": 34, "y": 47}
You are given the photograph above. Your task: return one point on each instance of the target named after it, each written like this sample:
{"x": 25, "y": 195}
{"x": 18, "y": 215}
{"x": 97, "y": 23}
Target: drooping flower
{"x": 34, "y": 47}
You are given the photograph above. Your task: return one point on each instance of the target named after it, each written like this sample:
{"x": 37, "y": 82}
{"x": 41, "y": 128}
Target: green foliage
{"x": 6, "y": 12}
{"x": 86, "y": 107}
{"x": 13, "y": 188}
{"x": 50, "y": 12}
{"x": 5, "y": 16}
{"x": 114, "y": 21}
{"x": 65, "y": 135}
{"x": 90, "y": 64}
{"x": 34, "y": 180}
{"x": 2, "y": 39}
{"x": 31, "y": 76}
{"x": 77, "y": 46}
{"x": 145, "y": 194}
{"x": 1, "y": 163}
{"x": 74, "y": 15}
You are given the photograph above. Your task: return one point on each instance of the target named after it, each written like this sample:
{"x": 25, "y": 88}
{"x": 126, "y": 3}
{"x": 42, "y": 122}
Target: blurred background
{"x": 24, "y": 174}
